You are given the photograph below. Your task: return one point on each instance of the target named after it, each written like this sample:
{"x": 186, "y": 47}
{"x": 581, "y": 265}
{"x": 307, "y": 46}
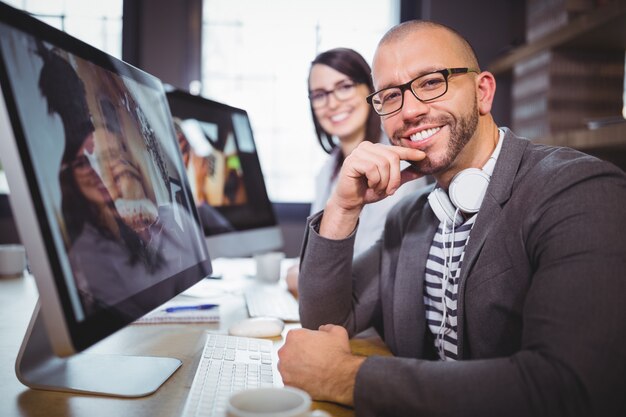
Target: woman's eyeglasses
{"x": 344, "y": 90}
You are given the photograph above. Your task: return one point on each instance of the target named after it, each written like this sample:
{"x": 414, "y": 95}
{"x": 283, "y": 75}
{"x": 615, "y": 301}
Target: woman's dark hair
{"x": 352, "y": 64}
{"x": 65, "y": 94}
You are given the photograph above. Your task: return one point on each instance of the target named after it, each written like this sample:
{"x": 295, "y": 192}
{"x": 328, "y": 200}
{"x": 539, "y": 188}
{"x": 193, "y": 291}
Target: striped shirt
{"x": 443, "y": 269}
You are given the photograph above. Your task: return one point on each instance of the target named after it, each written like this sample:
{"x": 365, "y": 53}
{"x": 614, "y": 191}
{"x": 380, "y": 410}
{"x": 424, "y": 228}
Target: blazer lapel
{"x": 498, "y": 193}
{"x": 408, "y": 310}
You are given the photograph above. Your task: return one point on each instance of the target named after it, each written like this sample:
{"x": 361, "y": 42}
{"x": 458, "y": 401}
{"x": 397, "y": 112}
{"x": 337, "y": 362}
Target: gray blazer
{"x": 541, "y": 311}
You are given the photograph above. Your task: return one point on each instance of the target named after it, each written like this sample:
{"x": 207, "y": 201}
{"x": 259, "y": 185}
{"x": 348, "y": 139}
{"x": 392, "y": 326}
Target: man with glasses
{"x": 339, "y": 81}
{"x": 499, "y": 292}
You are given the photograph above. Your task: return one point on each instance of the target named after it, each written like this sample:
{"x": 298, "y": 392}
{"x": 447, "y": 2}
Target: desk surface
{"x": 17, "y": 300}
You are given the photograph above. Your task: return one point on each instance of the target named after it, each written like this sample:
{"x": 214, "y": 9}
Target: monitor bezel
{"x": 66, "y": 332}
{"x": 257, "y": 236}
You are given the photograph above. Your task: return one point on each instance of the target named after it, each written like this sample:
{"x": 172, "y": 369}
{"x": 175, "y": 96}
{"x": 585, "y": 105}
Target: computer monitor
{"x": 223, "y": 168}
{"x": 101, "y": 201}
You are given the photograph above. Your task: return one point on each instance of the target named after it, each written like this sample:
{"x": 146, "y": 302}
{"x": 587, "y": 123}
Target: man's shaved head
{"x": 402, "y": 30}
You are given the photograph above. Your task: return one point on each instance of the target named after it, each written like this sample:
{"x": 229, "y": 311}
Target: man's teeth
{"x": 424, "y": 134}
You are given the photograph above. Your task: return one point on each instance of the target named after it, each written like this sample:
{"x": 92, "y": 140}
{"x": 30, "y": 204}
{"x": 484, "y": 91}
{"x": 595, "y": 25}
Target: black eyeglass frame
{"x": 446, "y": 72}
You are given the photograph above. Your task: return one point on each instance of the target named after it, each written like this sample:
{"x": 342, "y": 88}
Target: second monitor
{"x": 223, "y": 168}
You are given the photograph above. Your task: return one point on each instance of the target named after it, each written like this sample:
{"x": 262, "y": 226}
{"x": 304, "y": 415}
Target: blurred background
{"x": 559, "y": 65}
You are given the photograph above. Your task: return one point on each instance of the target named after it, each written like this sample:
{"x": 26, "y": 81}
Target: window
{"x": 96, "y": 23}
{"x": 256, "y": 56}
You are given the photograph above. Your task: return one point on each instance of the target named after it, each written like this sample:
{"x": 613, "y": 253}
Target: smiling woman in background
{"x": 339, "y": 81}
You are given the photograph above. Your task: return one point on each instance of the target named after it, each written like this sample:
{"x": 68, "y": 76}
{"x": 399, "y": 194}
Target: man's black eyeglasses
{"x": 426, "y": 87}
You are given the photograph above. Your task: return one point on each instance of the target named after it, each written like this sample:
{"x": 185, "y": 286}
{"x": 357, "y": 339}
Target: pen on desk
{"x": 192, "y": 307}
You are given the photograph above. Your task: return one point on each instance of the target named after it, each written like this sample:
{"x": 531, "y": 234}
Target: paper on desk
{"x": 184, "y": 316}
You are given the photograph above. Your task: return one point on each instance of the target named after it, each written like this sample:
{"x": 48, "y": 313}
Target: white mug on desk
{"x": 12, "y": 260}
{"x": 274, "y": 402}
{"x": 268, "y": 266}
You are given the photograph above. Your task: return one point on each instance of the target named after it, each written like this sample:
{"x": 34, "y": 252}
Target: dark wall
{"x": 8, "y": 230}
{"x": 292, "y": 220}
{"x": 163, "y": 37}
{"x": 492, "y": 27}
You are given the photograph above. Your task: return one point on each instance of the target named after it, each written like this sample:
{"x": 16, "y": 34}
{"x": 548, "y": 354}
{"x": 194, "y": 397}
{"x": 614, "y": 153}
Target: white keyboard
{"x": 229, "y": 364}
{"x": 271, "y": 301}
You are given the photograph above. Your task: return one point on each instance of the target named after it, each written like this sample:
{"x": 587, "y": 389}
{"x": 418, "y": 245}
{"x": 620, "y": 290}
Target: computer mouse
{"x": 257, "y": 327}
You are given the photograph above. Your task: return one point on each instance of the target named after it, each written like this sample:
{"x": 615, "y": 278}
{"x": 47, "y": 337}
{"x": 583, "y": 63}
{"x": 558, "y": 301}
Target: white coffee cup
{"x": 12, "y": 260}
{"x": 272, "y": 402}
{"x": 268, "y": 266}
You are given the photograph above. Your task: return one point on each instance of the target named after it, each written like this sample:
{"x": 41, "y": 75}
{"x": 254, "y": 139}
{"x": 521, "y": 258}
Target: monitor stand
{"x": 38, "y": 367}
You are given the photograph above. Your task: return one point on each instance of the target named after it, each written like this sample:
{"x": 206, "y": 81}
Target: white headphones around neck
{"x": 466, "y": 191}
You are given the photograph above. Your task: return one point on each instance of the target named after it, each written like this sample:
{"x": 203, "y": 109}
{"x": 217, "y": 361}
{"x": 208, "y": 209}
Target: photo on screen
{"x": 102, "y": 149}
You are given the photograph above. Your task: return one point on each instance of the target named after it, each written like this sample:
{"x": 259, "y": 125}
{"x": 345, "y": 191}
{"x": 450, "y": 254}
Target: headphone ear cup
{"x": 443, "y": 208}
{"x": 467, "y": 189}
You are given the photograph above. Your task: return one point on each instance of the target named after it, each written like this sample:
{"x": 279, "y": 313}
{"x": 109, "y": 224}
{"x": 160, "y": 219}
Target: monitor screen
{"x": 225, "y": 175}
{"x": 98, "y": 186}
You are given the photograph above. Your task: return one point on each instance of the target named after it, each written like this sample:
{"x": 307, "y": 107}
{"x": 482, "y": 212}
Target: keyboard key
{"x": 271, "y": 301}
{"x": 229, "y": 364}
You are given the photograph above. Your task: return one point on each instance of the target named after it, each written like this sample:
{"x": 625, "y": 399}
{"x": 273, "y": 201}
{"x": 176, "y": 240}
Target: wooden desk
{"x": 17, "y": 300}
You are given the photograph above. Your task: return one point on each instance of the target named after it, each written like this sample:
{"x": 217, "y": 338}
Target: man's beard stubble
{"x": 460, "y": 135}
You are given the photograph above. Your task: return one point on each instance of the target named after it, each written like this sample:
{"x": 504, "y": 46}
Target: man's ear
{"x": 485, "y": 90}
